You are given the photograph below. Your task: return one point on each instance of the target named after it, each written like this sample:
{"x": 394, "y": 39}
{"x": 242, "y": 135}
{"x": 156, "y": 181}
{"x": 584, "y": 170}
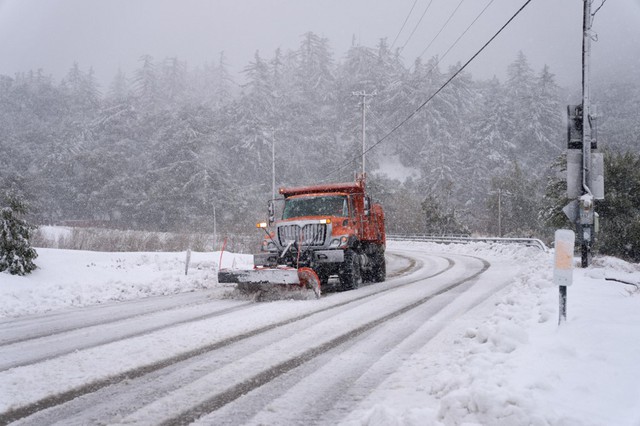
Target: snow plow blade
{"x": 259, "y": 280}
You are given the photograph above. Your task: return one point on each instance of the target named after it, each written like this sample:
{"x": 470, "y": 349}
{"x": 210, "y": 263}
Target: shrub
{"x": 16, "y": 253}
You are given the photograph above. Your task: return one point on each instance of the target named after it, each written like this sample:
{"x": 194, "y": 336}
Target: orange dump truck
{"x": 325, "y": 230}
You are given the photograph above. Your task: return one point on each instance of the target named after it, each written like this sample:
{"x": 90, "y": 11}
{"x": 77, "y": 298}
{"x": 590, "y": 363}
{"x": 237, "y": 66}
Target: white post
{"x": 215, "y": 228}
{"x": 186, "y": 263}
{"x": 563, "y": 267}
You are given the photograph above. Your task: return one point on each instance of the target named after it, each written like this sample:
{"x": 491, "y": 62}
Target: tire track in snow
{"x": 324, "y": 389}
{"x": 231, "y": 393}
{"x": 43, "y": 347}
{"x": 65, "y": 396}
{"x": 24, "y": 356}
{"x": 17, "y": 330}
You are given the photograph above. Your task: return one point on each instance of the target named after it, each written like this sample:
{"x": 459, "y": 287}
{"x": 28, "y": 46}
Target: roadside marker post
{"x": 186, "y": 262}
{"x": 563, "y": 266}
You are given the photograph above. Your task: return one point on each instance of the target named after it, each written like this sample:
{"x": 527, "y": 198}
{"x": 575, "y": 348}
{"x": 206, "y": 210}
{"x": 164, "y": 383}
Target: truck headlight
{"x": 268, "y": 246}
{"x": 339, "y": 242}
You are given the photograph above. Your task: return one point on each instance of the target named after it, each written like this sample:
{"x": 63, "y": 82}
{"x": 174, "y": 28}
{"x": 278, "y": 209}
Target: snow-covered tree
{"x": 146, "y": 83}
{"x": 555, "y": 197}
{"x": 170, "y": 129}
{"x": 173, "y": 82}
{"x": 314, "y": 76}
{"x": 119, "y": 89}
{"x": 514, "y": 203}
{"x": 16, "y": 253}
{"x": 440, "y": 219}
{"x": 81, "y": 90}
{"x": 620, "y": 210}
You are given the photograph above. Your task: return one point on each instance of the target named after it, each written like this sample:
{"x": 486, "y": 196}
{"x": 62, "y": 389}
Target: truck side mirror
{"x": 272, "y": 213}
{"x": 367, "y": 206}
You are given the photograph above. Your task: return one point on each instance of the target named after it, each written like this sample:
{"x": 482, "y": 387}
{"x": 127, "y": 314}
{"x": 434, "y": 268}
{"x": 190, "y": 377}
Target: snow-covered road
{"x": 456, "y": 335}
{"x": 194, "y": 356}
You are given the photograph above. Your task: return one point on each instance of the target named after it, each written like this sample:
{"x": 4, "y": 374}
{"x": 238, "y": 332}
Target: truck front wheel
{"x": 379, "y": 270}
{"x": 350, "y": 274}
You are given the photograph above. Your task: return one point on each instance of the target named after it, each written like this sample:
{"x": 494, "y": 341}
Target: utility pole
{"x": 500, "y": 213}
{"x": 363, "y": 94}
{"x": 273, "y": 164}
{"x": 500, "y": 193}
{"x": 586, "y": 220}
{"x": 585, "y": 168}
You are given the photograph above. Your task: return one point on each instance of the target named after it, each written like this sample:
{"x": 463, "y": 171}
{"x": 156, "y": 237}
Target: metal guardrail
{"x": 529, "y": 242}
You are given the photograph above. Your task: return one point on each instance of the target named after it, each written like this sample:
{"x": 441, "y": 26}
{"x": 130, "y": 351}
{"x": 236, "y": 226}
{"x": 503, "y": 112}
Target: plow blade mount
{"x": 268, "y": 279}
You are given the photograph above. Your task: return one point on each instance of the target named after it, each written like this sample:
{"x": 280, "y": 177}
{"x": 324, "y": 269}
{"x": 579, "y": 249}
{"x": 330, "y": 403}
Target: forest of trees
{"x": 161, "y": 148}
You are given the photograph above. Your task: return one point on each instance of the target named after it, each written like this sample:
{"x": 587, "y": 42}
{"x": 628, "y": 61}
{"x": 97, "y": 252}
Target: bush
{"x": 16, "y": 253}
{"x": 620, "y": 210}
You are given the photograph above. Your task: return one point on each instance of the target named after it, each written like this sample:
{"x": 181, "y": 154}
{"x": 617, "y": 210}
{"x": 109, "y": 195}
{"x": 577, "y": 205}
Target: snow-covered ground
{"x": 506, "y": 362}
{"x": 67, "y": 278}
{"x": 510, "y": 363}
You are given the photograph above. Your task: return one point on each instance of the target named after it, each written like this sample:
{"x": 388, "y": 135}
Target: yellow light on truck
{"x": 325, "y": 221}
{"x": 261, "y": 225}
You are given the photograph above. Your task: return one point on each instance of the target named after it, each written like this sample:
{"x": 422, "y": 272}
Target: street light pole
{"x": 364, "y": 95}
{"x": 273, "y": 164}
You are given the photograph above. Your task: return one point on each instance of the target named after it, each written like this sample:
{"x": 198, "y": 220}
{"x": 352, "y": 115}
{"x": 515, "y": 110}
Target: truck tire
{"x": 350, "y": 274}
{"x": 324, "y": 277}
{"x": 379, "y": 270}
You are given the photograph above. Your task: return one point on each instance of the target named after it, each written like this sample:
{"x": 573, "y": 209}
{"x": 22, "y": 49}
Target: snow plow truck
{"x": 324, "y": 232}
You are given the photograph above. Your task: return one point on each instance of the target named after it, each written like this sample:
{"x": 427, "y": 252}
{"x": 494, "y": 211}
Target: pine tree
{"x": 514, "y": 204}
{"x": 221, "y": 82}
{"x": 489, "y": 150}
{"x": 173, "y": 82}
{"x": 16, "y": 253}
{"x": 555, "y": 198}
{"x": 520, "y": 93}
{"x": 620, "y": 210}
{"x": 146, "y": 83}
{"x": 440, "y": 219}
{"x": 315, "y": 77}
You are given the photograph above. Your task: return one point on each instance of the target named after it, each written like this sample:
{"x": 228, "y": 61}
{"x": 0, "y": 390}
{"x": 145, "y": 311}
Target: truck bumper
{"x": 262, "y": 259}
{"x": 319, "y": 256}
{"x": 328, "y": 256}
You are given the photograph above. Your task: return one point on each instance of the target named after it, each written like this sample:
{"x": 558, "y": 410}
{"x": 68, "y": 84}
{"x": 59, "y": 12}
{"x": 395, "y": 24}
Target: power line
{"x": 445, "y": 84}
{"x": 599, "y": 7}
{"x": 442, "y": 28}
{"x": 417, "y": 25}
{"x": 593, "y": 15}
{"x": 466, "y": 30}
{"x": 440, "y": 58}
{"x": 403, "y": 24}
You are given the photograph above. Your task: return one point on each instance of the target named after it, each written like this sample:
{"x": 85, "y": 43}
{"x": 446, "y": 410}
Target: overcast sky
{"x": 112, "y": 34}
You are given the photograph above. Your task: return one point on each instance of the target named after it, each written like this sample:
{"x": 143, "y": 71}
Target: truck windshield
{"x": 326, "y": 205}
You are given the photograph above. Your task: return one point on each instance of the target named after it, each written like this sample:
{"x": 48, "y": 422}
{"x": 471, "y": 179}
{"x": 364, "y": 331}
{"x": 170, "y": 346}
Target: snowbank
{"x": 509, "y": 363}
{"x": 67, "y": 278}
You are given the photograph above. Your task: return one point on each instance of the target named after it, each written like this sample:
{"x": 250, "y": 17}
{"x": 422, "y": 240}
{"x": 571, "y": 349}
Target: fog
{"x": 111, "y": 35}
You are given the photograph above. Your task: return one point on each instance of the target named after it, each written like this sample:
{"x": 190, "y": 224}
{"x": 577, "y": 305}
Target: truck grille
{"x": 312, "y": 234}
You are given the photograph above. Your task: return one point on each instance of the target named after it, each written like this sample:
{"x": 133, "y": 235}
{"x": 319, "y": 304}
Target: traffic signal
{"x": 574, "y": 126}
